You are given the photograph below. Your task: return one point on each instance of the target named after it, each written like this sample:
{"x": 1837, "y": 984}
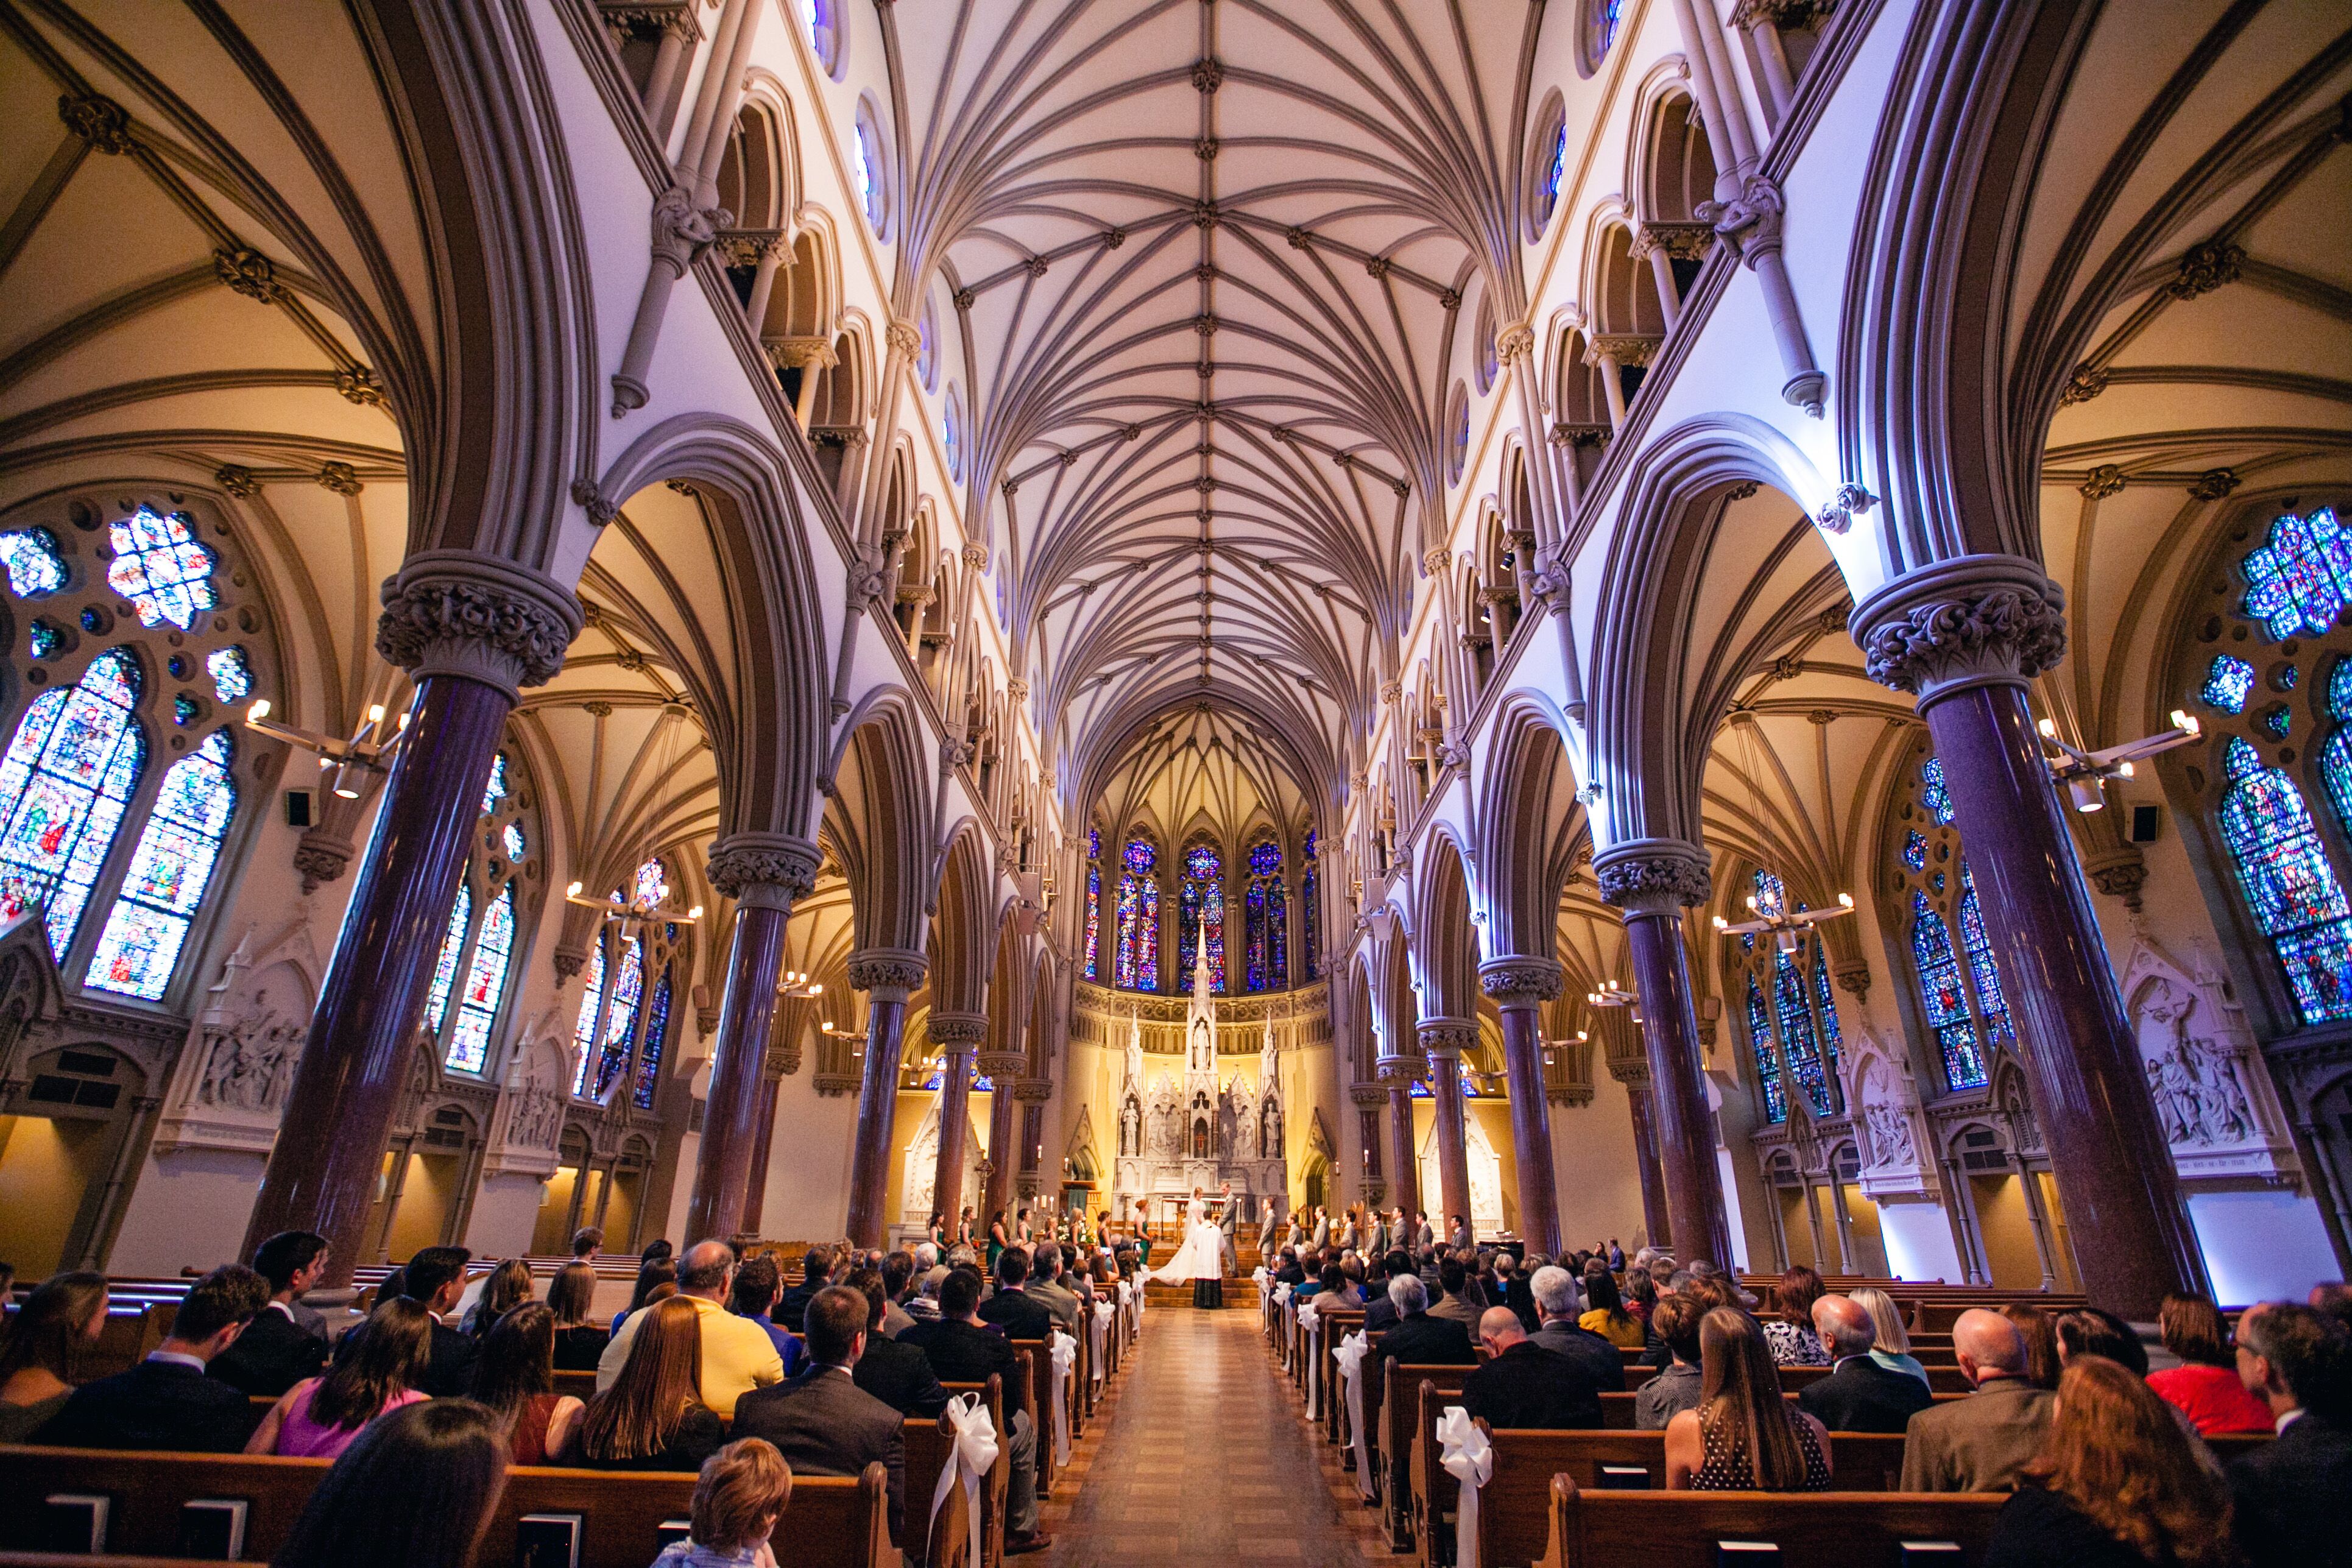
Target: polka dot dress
{"x": 1727, "y": 1469}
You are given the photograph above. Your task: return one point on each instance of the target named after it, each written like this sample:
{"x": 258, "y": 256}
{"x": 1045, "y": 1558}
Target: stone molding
{"x": 477, "y": 616}
{"x": 1403, "y": 1070}
{"x": 764, "y": 869}
{"x": 1652, "y": 876}
{"x": 833, "y": 1085}
{"x": 887, "y": 972}
{"x": 321, "y": 856}
{"x": 1369, "y": 1095}
{"x": 954, "y": 1031}
{"x": 1970, "y": 621}
{"x": 1002, "y": 1066}
{"x": 1033, "y": 1090}
{"x": 1446, "y": 1036}
{"x": 1521, "y": 981}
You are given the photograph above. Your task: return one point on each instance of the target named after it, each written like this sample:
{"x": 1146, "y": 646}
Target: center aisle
{"x": 1205, "y": 1455}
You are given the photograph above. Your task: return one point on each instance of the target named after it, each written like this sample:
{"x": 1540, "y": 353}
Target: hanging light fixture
{"x": 2086, "y": 774}
{"x": 368, "y": 750}
{"x": 1788, "y": 928}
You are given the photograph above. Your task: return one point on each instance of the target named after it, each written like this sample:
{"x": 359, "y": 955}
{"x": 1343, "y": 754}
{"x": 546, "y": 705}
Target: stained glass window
{"x": 1798, "y": 1041}
{"x": 2288, "y": 883}
{"x": 169, "y": 874}
{"x": 1094, "y": 843}
{"x": 1986, "y": 975}
{"x": 486, "y": 985}
{"x": 1310, "y": 916}
{"x": 1094, "y": 918}
{"x": 232, "y": 674}
{"x": 1915, "y": 852}
{"x": 445, "y": 966}
{"x": 2335, "y": 757}
{"x": 160, "y": 568}
{"x": 35, "y": 567}
{"x": 65, "y": 781}
{"x": 1947, "y": 1005}
{"x": 1768, "y": 1066}
{"x": 2302, "y": 578}
{"x": 496, "y": 789}
{"x": 1135, "y": 965}
{"x": 2228, "y": 684}
{"x": 47, "y": 638}
{"x": 1939, "y": 797}
{"x": 185, "y": 709}
{"x": 649, "y": 1056}
{"x": 621, "y": 1015}
{"x": 650, "y": 889}
{"x": 591, "y": 1002}
{"x": 511, "y": 841}
{"x": 1201, "y": 915}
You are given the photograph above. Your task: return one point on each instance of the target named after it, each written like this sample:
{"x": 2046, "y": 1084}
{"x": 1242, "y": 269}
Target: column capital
{"x": 887, "y": 972}
{"x": 1446, "y": 1036}
{"x": 1369, "y": 1095}
{"x": 956, "y": 1031}
{"x": 1403, "y": 1072}
{"x": 766, "y": 869}
{"x": 1521, "y": 981}
{"x": 1033, "y": 1091}
{"x": 1652, "y": 876}
{"x": 465, "y": 613}
{"x": 1003, "y": 1066}
{"x": 1973, "y": 620}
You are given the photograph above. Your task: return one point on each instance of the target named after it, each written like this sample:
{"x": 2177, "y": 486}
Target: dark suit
{"x": 273, "y": 1355}
{"x": 792, "y": 1308}
{"x": 2287, "y": 1493}
{"x": 900, "y": 1376}
{"x": 825, "y": 1425}
{"x": 1520, "y": 1297}
{"x": 1379, "y": 1313}
{"x": 1424, "y": 1341}
{"x": 1529, "y": 1386}
{"x": 155, "y": 1404}
{"x": 961, "y": 1353}
{"x": 1020, "y": 1314}
{"x": 1863, "y": 1396}
{"x": 1587, "y": 1350}
{"x": 451, "y": 1371}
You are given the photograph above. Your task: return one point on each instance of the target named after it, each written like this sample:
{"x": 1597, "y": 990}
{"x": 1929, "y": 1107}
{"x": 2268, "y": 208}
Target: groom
{"x": 1229, "y": 1216}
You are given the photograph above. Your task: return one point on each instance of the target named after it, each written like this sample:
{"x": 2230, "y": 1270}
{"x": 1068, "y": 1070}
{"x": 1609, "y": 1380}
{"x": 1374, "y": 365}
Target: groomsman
{"x": 1322, "y": 1236}
{"x": 1377, "y": 1243}
{"x": 1268, "y": 1234}
{"x": 1423, "y": 1234}
{"x": 1229, "y": 1217}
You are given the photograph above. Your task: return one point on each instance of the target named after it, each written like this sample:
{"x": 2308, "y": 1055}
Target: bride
{"x": 1202, "y": 1258}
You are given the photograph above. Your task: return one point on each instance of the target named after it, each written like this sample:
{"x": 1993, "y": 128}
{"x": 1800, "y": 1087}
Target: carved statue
{"x": 1130, "y": 1127}
{"x": 2223, "y": 1111}
{"x": 538, "y": 1118}
{"x": 250, "y": 1065}
{"x": 1890, "y": 1134}
{"x": 1269, "y": 1127}
{"x": 1135, "y": 1046}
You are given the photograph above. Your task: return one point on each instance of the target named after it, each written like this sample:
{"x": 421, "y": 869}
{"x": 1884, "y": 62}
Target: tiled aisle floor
{"x": 1204, "y": 1456}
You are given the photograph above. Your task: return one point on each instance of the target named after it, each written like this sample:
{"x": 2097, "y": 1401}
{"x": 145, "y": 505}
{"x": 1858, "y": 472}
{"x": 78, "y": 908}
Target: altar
{"x": 1184, "y": 1130}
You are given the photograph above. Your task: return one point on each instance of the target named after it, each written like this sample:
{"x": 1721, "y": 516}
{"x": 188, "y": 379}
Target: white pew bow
{"x": 1282, "y": 1294}
{"x": 1101, "y": 1343}
{"x": 1350, "y": 1358}
{"x": 972, "y": 1458}
{"x": 1469, "y": 1458}
{"x": 1065, "y": 1354}
{"x": 1308, "y": 1315}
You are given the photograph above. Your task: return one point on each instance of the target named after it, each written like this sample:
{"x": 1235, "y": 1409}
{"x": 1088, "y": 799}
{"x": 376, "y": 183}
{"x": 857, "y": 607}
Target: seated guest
{"x": 2332, "y": 1296}
{"x": 962, "y": 1350}
{"x": 437, "y": 1277}
{"x": 1892, "y": 1348}
{"x": 1982, "y": 1443}
{"x": 736, "y": 1356}
{"x": 1558, "y": 1306}
{"x": 822, "y": 1422}
{"x": 1453, "y": 1280}
{"x": 2040, "y": 1331}
{"x": 570, "y": 1295}
{"x": 515, "y": 1381}
{"x": 1789, "y": 1332}
{"x": 2118, "y": 1484}
{"x": 1419, "y": 1337}
{"x": 2290, "y": 1493}
{"x": 416, "y": 1490}
{"x": 816, "y": 1273}
{"x": 652, "y": 1416}
{"x": 1046, "y": 1285}
{"x": 586, "y": 1242}
{"x": 900, "y": 1376}
{"x": 1677, "y": 1388}
{"x": 66, "y": 1314}
{"x": 166, "y": 1401}
{"x": 740, "y": 1495}
{"x": 1608, "y": 1317}
{"x": 897, "y": 1284}
{"x": 380, "y": 1368}
{"x": 758, "y": 1286}
{"x": 651, "y": 1277}
{"x": 1743, "y": 1436}
{"x": 2089, "y": 1331}
{"x": 286, "y": 1341}
{"x": 1288, "y": 1270}
{"x": 506, "y": 1288}
{"x": 1522, "y": 1384}
{"x": 1334, "y": 1288}
{"x": 1640, "y": 1293}
{"x": 2205, "y": 1387}
{"x": 1861, "y": 1395}
{"x": 1012, "y": 1309}
{"x": 1379, "y": 1313}
{"x": 658, "y": 1250}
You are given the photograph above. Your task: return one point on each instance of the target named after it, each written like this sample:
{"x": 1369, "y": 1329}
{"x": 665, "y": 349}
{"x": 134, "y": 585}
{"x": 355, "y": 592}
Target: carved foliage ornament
{"x": 1447, "y": 1036}
{"x": 99, "y": 122}
{"x": 1522, "y": 981}
{"x": 762, "y": 860}
{"x": 2003, "y": 631}
{"x": 886, "y": 969}
{"x": 450, "y": 611}
{"x": 1644, "y": 882}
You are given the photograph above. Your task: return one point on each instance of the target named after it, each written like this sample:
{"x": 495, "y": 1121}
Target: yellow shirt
{"x": 1628, "y": 1335}
{"x": 738, "y": 1356}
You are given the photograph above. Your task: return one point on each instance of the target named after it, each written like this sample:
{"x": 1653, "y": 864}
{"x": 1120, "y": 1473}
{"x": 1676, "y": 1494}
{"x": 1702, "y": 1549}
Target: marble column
{"x": 755, "y": 1189}
{"x": 470, "y": 629}
{"x": 1966, "y": 635}
{"x": 1003, "y": 1067}
{"x": 764, "y": 873}
{"x": 1443, "y": 1041}
{"x": 1370, "y": 1100}
{"x": 886, "y": 976}
{"x": 1520, "y": 986}
{"x": 957, "y": 1036}
{"x": 1655, "y": 1218}
{"x": 1397, "y": 1076}
{"x": 1033, "y": 1093}
{"x": 1653, "y": 880}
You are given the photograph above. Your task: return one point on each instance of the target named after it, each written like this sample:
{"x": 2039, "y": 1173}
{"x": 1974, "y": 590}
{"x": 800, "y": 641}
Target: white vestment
{"x": 1202, "y": 1255}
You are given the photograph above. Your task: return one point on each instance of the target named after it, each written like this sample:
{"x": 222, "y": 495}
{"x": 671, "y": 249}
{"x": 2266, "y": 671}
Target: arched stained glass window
{"x": 1947, "y": 1005}
{"x": 1310, "y": 916}
{"x": 650, "y": 1058}
{"x": 621, "y": 1014}
{"x": 633, "y": 1033}
{"x": 1959, "y": 986}
{"x": 477, "y": 957}
{"x": 1201, "y": 916}
{"x": 1135, "y": 965}
{"x": 444, "y": 965}
{"x": 1802, "y": 1036}
{"x": 169, "y": 873}
{"x": 1768, "y": 1066}
{"x": 591, "y": 1008}
{"x": 1267, "y": 920}
{"x": 160, "y": 568}
{"x": 1094, "y": 906}
{"x": 2289, "y": 885}
{"x": 65, "y": 783}
{"x": 1982, "y": 972}
{"x": 486, "y": 984}
{"x": 2301, "y": 580}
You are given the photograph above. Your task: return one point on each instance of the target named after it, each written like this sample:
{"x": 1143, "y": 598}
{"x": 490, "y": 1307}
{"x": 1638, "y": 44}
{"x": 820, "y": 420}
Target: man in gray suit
{"x": 1229, "y": 1219}
{"x": 1048, "y": 1286}
{"x": 1979, "y": 1444}
{"x": 1423, "y": 1236}
{"x": 1321, "y": 1238}
{"x": 1267, "y": 1234}
{"x": 822, "y": 1422}
{"x": 1376, "y": 1243}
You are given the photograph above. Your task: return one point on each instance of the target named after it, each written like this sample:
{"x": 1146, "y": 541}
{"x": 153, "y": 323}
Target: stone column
{"x": 1003, "y": 1067}
{"x": 764, "y": 873}
{"x": 1656, "y": 1218}
{"x": 755, "y": 1188}
{"x": 957, "y": 1036}
{"x": 1967, "y": 635}
{"x": 470, "y": 629}
{"x": 1519, "y": 987}
{"x": 1399, "y": 1078}
{"x": 1370, "y": 1100}
{"x": 885, "y": 974}
{"x": 1033, "y": 1093}
{"x": 1444, "y": 1040}
{"x": 1654, "y": 880}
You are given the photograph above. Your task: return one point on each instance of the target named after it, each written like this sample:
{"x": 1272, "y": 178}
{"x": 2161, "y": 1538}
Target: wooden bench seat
{"x": 1686, "y": 1529}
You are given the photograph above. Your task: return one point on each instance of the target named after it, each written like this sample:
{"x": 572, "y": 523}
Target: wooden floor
{"x": 1204, "y": 1456}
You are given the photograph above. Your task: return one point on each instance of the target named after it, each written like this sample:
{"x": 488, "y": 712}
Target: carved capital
{"x": 834, "y": 1085}
{"x": 1565, "y": 433}
{"x": 99, "y": 122}
{"x": 1751, "y": 220}
{"x": 1403, "y": 1071}
{"x": 2119, "y": 873}
{"x": 956, "y": 1030}
{"x": 1852, "y": 976}
{"x": 1514, "y": 343}
{"x": 905, "y": 337}
{"x": 682, "y": 231}
{"x": 1367, "y": 1095}
{"x": 1652, "y": 876}
{"x": 1623, "y": 349}
{"x": 321, "y": 856}
{"x": 749, "y": 247}
{"x": 456, "y": 612}
{"x": 340, "y": 477}
{"x": 1973, "y": 620}
{"x": 888, "y": 972}
{"x": 975, "y": 556}
{"x": 764, "y": 869}
{"x": 1033, "y": 1091}
{"x": 1679, "y": 241}
{"x": 1444, "y": 1037}
{"x": 1520, "y": 982}
{"x": 569, "y": 963}
{"x": 799, "y": 354}
{"x": 238, "y": 480}
{"x": 1002, "y": 1066}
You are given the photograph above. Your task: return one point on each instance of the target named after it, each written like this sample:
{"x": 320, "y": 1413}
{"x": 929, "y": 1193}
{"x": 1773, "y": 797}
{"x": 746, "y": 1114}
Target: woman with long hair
{"x": 1641, "y": 1294}
{"x": 571, "y": 1296}
{"x": 2204, "y": 1386}
{"x": 67, "y": 1314}
{"x": 377, "y": 1369}
{"x": 661, "y": 1272}
{"x": 508, "y": 1286}
{"x": 653, "y": 1418}
{"x": 1743, "y": 1436}
{"x": 1892, "y": 1348}
{"x": 2040, "y": 1331}
{"x": 2118, "y": 1484}
{"x": 935, "y": 1230}
{"x": 1789, "y": 1329}
{"x": 998, "y": 1239}
{"x": 1608, "y": 1316}
{"x": 514, "y": 1380}
{"x": 2094, "y": 1330}
{"x": 416, "y": 1490}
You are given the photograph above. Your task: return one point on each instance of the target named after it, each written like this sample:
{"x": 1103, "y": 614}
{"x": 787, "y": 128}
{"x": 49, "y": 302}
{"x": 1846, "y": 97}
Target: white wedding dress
{"x": 1202, "y": 1255}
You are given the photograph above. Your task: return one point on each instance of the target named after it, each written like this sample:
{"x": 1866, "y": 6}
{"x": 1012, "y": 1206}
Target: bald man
{"x": 1979, "y": 1444}
{"x": 1860, "y": 1395}
{"x": 1524, "y": 1385}
{"x": 738, "y": 1356}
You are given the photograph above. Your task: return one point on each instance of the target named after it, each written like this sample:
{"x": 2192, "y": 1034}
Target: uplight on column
{"x": 2086, "y": 774}
{"x": 368, "y": 750}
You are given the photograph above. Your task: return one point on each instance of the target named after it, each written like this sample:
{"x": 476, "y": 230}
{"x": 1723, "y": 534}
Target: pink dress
{"x": 302, "y": 1439}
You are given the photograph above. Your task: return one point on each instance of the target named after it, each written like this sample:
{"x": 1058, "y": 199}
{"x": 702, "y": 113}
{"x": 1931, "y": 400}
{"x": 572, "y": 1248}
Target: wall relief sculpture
{"x": 2213, "y": 1097}
{"x": 237, "y": 1066}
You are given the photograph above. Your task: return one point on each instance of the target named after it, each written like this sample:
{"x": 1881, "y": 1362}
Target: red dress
{"x": 2213, "y": 1398}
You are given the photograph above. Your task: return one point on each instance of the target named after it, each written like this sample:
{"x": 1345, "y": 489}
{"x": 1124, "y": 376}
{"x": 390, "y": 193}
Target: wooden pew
{"x": 928, "y": 1449}
{"x": 1330, "y": 1327}
{"x": 1400, "y": 1394}
{"x": 1040, "y": 1407}
{"x": 994, "y": 1493}
{"x": 1684, "y": 1530}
